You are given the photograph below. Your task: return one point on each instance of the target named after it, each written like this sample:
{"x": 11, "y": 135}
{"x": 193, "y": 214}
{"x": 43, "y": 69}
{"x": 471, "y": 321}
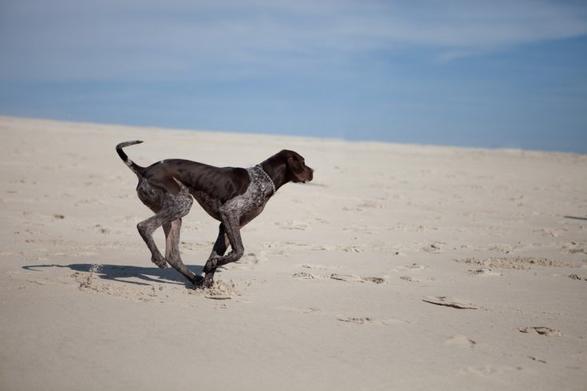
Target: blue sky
{"x": 473, "y": 73}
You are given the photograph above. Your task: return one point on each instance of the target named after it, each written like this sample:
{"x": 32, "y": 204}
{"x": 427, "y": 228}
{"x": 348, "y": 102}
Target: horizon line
{"x": 291, "y": 135}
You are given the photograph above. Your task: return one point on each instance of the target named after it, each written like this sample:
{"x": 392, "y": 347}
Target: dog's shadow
{"x": 122, "y": 273}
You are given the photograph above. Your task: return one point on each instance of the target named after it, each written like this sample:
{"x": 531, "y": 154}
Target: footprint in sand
{"x": 305, "y": 276}
{"x": 460, "y": 341}
{"x": 369, "y": 320}
{"x": 89, "y": 282}
{"x": 518, "y": 263}
{"x": 307, "y": 310}
{"x": 575, "y": 248}
{"x": 355, "y": 278}
{"x": 375, "y": 280}
{"x": 324, "y": 248}
{"x": 355, "y": 319}
{"x": 221, "y": 290}
{"x": 86, "y": 280}
{"x": 487, "y": 370}
{"x": 450, "y": 302}
{"x": 537, "y": 359}
{"x": 315, "y": 266}
{"x": 551, "y": 232}
{"x": 410, "y": 267}
{"x": 540, "y": 330}
{"x": 289, "y": 244}
{"x": 484, "y": 272}
{"x": 293, "y": 225}
{"x": 351, "y": 249}
{"x": 346, "y": 277}
{"x": 253, "y": 259}
{"x": 369, "y": 204}
{"x": 101, "y": 229}
{"x": 249, "y": 260}
{"x": 502, "y": 248}
{"x": 433, "y": 248}
{"x": 409, "y": 279}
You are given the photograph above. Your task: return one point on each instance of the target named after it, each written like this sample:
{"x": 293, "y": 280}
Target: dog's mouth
{"x": 309, "y": 175}
{"x": 305, "y": 177}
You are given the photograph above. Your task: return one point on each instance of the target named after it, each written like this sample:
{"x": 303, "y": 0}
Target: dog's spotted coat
{"x": 234, "y": 196}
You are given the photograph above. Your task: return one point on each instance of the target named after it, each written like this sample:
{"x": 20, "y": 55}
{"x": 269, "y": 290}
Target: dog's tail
{"x": 134, "y": 167}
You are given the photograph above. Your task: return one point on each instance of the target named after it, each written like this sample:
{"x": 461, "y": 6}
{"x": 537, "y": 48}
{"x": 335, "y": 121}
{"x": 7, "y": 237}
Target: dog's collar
{"x": 267, "y": 177}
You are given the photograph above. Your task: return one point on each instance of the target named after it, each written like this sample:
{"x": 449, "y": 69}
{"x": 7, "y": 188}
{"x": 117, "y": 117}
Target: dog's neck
{"x": 264, "y": 178}
{"x": 277, "y": 172}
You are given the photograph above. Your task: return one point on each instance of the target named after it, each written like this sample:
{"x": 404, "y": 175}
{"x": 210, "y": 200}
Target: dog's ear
{"x": 296, "y": 167}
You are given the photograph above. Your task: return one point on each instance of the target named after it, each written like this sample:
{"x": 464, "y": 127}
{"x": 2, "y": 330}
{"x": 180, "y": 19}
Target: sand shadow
{"x": 576, "y": 218}
{"x": 122, "y": 273}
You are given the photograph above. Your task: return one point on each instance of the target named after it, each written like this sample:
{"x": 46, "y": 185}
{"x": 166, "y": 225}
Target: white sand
{"x": 330, "y": 294}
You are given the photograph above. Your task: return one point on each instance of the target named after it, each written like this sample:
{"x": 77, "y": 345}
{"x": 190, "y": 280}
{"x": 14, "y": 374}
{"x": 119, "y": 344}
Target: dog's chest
{"x": 245, "y": 206}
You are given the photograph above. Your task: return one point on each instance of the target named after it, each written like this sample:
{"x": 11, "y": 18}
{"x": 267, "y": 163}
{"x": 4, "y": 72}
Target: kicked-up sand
{"x": 400, "y": 267}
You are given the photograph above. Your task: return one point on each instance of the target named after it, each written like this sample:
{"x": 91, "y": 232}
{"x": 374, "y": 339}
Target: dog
{"x": 234, "y": 196}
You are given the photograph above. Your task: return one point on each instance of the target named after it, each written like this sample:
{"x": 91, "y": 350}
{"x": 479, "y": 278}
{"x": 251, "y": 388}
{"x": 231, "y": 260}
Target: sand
{"x": 400, "y": 267}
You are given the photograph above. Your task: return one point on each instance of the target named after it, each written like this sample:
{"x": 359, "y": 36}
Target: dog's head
{"x": 297, "y": 171}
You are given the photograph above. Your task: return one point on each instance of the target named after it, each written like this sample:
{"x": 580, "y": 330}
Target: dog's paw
{"x": 159, "y": 261}
{"x": 198, "y": 282}
{"x": 208, "y": 282}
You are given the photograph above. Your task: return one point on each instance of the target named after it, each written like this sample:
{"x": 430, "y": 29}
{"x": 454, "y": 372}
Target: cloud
{"x": 85, "y": 39}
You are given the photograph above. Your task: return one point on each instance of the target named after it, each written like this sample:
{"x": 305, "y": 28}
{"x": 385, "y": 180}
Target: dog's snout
{"x": 310, "y": 174}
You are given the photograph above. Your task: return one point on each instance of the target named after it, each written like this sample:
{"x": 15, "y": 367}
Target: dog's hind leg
{"x": 146, "y": 229}
{"x": 166, "y": 230}
{"x": 174, "y": 206}
{"x": 172, "y": 252}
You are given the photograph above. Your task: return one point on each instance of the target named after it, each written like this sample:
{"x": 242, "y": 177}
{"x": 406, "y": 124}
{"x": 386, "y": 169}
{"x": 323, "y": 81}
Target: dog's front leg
{"x": 230, "y": 223}
{"x": 221, "y": 243}
{"x": 218, "y": 250}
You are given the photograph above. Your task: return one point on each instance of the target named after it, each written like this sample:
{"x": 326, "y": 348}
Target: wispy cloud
{"x": 85, "y": 39}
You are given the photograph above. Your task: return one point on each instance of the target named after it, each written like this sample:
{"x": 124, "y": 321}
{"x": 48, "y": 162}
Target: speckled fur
{"x": 251, "y": 203}
{"x": 169, "y": 208}
{"x": 237, "y": 212}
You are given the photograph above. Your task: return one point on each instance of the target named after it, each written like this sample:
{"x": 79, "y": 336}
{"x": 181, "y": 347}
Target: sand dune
{"x": 400, "y": 267}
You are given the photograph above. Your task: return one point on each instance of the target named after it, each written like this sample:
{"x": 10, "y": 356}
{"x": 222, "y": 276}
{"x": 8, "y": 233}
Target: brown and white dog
{"x": 233, "y": 196}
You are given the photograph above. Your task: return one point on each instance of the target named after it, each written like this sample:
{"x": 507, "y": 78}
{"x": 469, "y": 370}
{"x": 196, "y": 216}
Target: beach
{"x": 403, "y": 267}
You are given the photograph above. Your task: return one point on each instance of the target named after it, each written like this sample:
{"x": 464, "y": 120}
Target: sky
{"x": 498, "y": 74}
